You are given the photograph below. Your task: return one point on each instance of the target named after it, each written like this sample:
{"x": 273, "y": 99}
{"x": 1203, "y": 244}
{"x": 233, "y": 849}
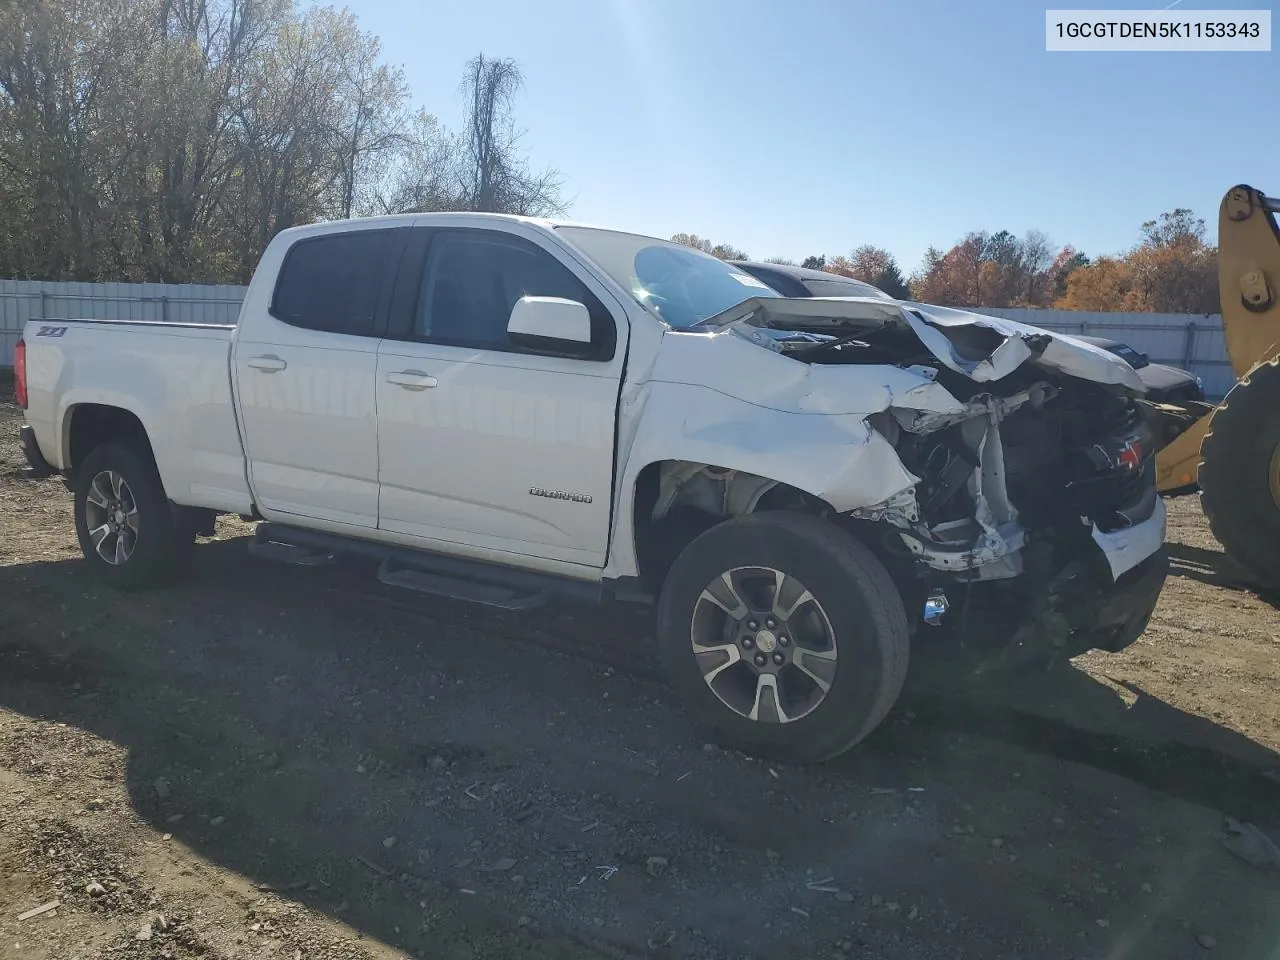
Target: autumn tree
{"x": 918, "y": 281}
{"x": 1098, "y": 287}
{"x": 990, "y": 269}
{"x": 877, "y": 266}
{"x": 1172, "y": 270}
{"x": 953, "y": 278}
{"x": 1180, "y": 227}
{"x": 1068, "y": 260}
{"x": 868, "y": 263}
{"x": 1174, "y": 279}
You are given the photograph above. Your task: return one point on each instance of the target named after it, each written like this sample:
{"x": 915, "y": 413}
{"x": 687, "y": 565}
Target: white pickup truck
{"x": 505, "y": 409}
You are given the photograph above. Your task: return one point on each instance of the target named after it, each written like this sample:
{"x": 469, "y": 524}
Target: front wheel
{"x": 784, "y": 634}
{"x": 125, "y": 525}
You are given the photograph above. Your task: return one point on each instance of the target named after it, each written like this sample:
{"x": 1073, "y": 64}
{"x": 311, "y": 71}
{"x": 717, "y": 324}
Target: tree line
{"x": 1172, "y": 269}
{"x": 172, "y": 139}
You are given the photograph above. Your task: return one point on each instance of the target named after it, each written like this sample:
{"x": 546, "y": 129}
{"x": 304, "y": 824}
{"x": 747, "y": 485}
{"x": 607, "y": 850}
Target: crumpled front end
{"x": 1049, "y": 490}
{"x": 1013, "y": 437}
{"x": 967, "y": 450}
{"x": 1071, "y": 463}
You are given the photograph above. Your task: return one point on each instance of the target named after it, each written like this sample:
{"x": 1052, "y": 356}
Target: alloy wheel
{"x": 764, "y": 645}
{"x": 111, "y": 516}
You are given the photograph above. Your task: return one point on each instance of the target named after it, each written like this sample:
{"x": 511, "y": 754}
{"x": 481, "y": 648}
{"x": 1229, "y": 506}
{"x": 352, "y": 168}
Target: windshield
{"x": 1130, "y": 356}
{"x": 844, "y": 288}
{"x": 680, "y": 285}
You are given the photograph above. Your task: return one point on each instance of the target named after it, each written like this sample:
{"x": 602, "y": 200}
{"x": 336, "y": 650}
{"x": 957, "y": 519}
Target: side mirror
{"x": 550, "y": 323}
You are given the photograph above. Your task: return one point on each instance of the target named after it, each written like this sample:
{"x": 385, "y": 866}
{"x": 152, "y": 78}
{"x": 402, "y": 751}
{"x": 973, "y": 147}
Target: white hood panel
{"x": 937, "y": 328}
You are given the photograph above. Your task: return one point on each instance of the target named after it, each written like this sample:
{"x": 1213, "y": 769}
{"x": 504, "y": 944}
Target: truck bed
{"x": 178, "y": 386}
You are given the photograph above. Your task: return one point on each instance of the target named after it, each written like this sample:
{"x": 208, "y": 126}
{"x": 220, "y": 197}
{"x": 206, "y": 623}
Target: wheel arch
{"x": 86, "y": 425}
{"x": 673, "y": 501}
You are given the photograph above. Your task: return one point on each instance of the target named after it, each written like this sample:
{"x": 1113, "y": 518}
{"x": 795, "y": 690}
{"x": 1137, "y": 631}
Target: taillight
{"x": 20, "y": 373}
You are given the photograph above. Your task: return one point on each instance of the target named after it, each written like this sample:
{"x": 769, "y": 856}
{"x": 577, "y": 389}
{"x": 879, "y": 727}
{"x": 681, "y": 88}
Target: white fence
{"x": 1192, "y": 341}
{"x": 23, "y": 300}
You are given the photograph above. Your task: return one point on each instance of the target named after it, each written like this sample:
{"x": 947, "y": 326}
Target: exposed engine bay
{"x": 1058, "y": 459}
{"x": 1027, "y": 441}
{"x": 1032, "y": 451}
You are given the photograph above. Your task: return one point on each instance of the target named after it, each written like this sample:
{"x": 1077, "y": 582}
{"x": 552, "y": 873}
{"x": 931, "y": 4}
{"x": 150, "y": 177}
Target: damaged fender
{"x": 721, "y": 401}
{"x": 761, "y": 417}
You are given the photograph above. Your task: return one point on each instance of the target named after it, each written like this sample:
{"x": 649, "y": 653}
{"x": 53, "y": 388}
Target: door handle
{"x": 269, "y": 363}
{"x": 412, "y": 379}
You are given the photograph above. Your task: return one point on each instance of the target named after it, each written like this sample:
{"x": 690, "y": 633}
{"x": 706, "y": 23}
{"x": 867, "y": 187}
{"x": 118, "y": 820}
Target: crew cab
{"x": 505, "y": 409}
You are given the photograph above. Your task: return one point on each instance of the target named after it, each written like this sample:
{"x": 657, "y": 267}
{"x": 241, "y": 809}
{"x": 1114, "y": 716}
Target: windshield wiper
{"x": 824, "y": 345}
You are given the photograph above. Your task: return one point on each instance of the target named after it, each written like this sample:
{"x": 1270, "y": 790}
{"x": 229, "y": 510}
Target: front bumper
{"x": 1122, "y": 610}
{"x": 1087, "y": 608}
{"x": 1106, "y": 601}
{"x": 1130, "y": 546}
{"x": 1085, "y": 605}
{"x": 31, "y": 450}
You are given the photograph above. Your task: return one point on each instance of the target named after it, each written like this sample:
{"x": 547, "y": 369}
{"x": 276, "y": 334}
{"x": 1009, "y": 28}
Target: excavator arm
{"x": 1233, "y": 453}
{"x": 1249, "y": 277}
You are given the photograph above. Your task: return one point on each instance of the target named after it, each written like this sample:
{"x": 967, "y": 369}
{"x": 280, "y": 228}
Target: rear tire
{"x": 126, "y": 527}
{"x": 850, "y": 635}
{"x": 1240, "y": 473}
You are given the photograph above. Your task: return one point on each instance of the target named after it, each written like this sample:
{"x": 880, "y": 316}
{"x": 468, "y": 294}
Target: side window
{"x": 472, "y": 280}
{"x": 332, "y": 282}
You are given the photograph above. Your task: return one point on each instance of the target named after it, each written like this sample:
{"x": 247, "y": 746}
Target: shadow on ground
{"x": 301, "y": 719}
{"x": 1217, "y": 569}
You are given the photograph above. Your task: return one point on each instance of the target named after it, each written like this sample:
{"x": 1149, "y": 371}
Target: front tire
{"x": 784, "y": 635}
{"x": 125, "y": 525}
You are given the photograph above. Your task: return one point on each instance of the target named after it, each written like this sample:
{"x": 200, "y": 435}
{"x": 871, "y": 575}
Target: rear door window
{"x": 333, "y": 282}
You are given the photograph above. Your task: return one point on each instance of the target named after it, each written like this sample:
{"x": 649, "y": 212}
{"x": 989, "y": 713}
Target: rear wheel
{"x": 125, "y": 525}
{"x": 783, "y": 634}
{"x": 1240, "y": 473}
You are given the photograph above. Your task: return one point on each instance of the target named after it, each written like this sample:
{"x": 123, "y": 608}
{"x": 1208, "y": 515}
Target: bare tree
{"x": 172, "y": 139}
{"x": 724, "y": 251}
{"x": 372, "y": 115}
{"x": 421, "y": 176}
{"x": 494, "y": 176}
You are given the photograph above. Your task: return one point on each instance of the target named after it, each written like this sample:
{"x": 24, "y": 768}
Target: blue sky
{"x": 790, "y": 127}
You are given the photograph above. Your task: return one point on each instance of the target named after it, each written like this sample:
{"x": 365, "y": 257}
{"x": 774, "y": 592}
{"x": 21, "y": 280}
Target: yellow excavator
{"x": 1231, "y": 452}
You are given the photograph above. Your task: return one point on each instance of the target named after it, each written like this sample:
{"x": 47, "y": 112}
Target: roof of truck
{"x": 410, "y": 219}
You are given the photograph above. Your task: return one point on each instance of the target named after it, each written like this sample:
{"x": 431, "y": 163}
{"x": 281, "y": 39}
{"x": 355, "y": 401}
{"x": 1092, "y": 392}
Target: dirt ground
{"x": 270, "y": 762}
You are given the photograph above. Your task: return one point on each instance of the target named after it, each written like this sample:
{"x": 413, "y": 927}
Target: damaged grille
{"x": 1088, "y": 454}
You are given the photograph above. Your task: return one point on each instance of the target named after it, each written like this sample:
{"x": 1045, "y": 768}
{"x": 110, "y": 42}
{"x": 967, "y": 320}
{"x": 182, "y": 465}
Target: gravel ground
{"x": 269, "y": 762}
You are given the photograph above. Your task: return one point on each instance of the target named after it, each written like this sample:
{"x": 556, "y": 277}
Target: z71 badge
{"x": 48, "y": 331}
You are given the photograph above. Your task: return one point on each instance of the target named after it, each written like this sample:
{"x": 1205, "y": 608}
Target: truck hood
{"x": 981, "y": 347}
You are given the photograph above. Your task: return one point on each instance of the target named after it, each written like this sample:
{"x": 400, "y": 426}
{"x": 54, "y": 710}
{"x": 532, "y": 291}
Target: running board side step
{"x": 455, "y": 578}
{"x": 290, "y": 553}
{"x": 394, "y": 574}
